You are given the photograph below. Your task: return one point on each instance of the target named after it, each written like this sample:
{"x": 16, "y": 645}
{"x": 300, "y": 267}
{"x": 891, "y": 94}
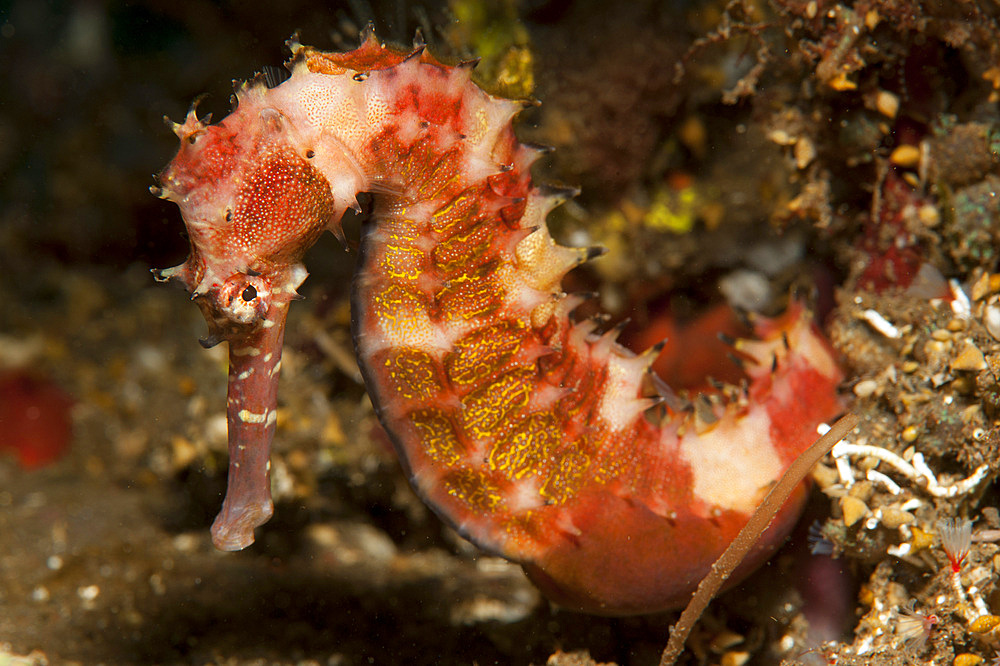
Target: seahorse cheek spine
{"x": 527, "y": 432}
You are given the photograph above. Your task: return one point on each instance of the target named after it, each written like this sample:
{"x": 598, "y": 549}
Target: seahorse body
{"x": 526, "y": 431}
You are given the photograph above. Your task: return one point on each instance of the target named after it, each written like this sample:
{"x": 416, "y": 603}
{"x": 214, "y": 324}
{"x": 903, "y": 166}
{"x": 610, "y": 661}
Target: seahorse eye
{"x": 244, "y": 298}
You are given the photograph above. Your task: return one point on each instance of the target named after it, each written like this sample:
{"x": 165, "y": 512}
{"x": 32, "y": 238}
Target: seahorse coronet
{"x": 525, "y": 430}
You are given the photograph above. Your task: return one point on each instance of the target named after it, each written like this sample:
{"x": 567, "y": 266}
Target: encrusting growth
{"x": 528, "y": 432}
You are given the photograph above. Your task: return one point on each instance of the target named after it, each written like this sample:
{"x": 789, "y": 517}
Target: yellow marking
{"x": 475, "y": 489}
{"x": 523, "y": 527}
{"x": 443, "y": 173}
{"x": 566, "y": 477}
{"x": 471, "y": 295}
{"x": 403, "y": 263}
{"x": 412, "y": 373}
{"x": 527, "y": 450}
{"x": 456, "y": 214}
{"x": 454, "y": 179}
{"x": 463, "y": 249}
{"x": 397, "y": 305}
{"x": 401, "y": 316}
{"x": 481, "y": 353}
{"x": 490, "y": 407}
{"x": 437, "y": 436}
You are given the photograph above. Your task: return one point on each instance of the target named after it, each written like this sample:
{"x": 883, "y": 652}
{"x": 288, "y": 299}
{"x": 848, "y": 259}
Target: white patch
{"x": 524, "y": 496}
{"x": 245, "y": 373}
{"x": 246, "y": 351}
{"x": 734, "y": 461}
{"x": 252, "y": 417}
{"x": 620, "y": 402}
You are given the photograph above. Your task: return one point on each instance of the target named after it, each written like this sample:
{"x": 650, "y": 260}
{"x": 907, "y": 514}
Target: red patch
{"x": 893, "y": 252}
{"x": 693, "y": 351}
{"x": 35, "y": 421}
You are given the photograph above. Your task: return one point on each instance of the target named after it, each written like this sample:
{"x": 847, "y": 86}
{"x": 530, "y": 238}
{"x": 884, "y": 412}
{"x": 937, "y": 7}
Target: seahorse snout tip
{"x": 233, "y": 529}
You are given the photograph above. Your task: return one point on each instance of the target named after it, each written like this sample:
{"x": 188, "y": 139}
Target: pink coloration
{"x": 894, "y": 251}
{"x": 527, "y": 432}
{"x": 914, "y": 627}
{"x": 35, "y": 419}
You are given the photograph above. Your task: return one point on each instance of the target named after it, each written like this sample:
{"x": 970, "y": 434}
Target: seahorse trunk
{"x": 529, "y": 433}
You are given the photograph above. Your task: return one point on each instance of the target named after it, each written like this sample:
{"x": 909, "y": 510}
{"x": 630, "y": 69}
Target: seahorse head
{"x": 252, "y": 205}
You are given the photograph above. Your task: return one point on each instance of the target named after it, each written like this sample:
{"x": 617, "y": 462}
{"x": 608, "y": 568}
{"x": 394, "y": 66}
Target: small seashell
{"x": 804, "y": 151}
{"x": 984, "y": 623}
{"x": 887, "y": 103}
{"x": 992, "y": 320}
{"x": 737, "y": 658}
{"x": 928, "y": 214}
{"x": 905, "y": 156}
{"x": 724, "y": 640}
{"x": 865, "y": 388}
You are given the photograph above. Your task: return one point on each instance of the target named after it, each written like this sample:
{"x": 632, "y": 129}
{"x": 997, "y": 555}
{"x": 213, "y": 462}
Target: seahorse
{"x": 537, "y": 437}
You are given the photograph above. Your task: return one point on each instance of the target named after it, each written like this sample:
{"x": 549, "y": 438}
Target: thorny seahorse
{"x": 528, "y": 432}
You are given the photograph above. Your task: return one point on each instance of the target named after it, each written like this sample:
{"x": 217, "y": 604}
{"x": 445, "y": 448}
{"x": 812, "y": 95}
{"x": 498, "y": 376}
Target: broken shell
{"x": 863, "y": 490}
{"x": 969, "y": 359}
{"x": 825, "y": 476}
{"x": 894, "y": 518}
{"x": 921, "y": 539}
{"x": 980, "y": 288}
{"x": 853, "y": 508}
